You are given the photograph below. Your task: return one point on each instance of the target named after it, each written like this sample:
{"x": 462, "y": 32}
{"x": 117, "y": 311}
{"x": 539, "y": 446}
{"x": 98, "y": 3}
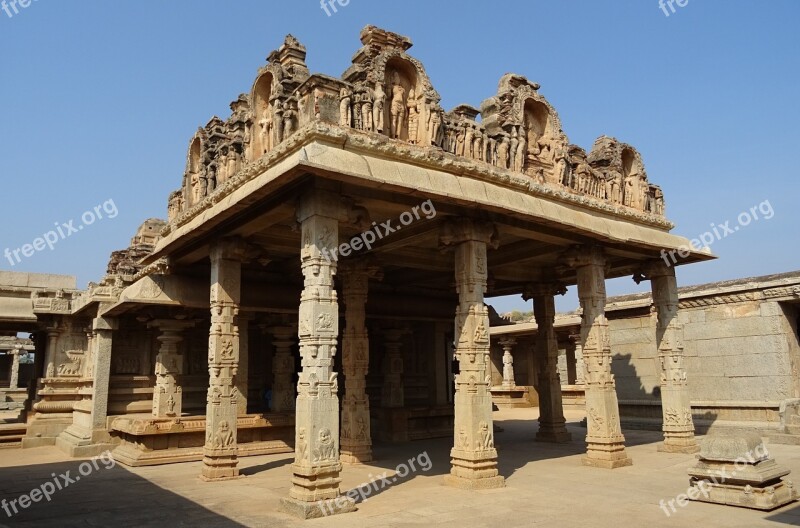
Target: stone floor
{"x": 546, "y": 486}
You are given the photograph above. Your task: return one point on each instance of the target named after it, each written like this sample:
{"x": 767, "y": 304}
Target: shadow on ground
{"x": 103, "y": 497}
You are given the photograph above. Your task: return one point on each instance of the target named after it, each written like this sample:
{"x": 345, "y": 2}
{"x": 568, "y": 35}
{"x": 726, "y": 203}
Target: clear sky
{"x": 99, "y": 99}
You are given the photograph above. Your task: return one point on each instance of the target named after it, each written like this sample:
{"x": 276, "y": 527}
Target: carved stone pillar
{"x": 50, "y": 354}
{"x": 283, "y": 387}
{"x": 316, "y": 468}
{"x": 606, "y": 444}
{"x": 168, "y": 394}
{"x": 101, "y": 369}
{"x": 244, "y": 364}
{"x": 473, "y": 457}
{"x": 219, "y": 453}
{"x": 677, "y": 410}
{"x": 356, "y": 439}
{"x": 580, "y": 367}
{"x": 552, "y": 425}
{"x": 508, "y": 363}
{"x": 13, "y": 380}
{"x": 393, "y": 392}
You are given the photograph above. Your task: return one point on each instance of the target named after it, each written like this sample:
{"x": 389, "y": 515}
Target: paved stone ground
{"x": 546, "y": 486}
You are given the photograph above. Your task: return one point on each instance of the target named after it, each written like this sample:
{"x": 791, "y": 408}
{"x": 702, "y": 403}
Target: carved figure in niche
{"x": 265, "y": 131}
{"x": 277, "y": 112}
{"x": 224, "y": 437}
{"x": 644, "y": 199}
{"x": 485, "y": 436}
{"x": 513, "y": 150}
{"x": 477, "y": 145}
{"x": 522, "y": 152}
{"x": 398, "y": 108}
{"x": 289, "y": 115}
{"x": 357, "y": 111}
{"x": 379, "y": 107}
{"x": 234, "y": 158}
{"x": 481, "y": 334}
{"x": 461, "y": 136}
{"x": 502, "y": 152}
{"x": 658, "y": 201}
{"x": 563, "y": 174}
{"x": 196, "y": 188}
{"x": 361, "y": 424}
{"x": 211, "y": 184}
{"x": 222, "y": 166}
{"x": 463, "y": 439}
{"x": 327, "y": 447}
{"x": 434, "y": 125}
{"x": 171, "y": 405}
{"x": 366, "y": 112}
{"x": 345, "y": 433}
{"x": 413, "y": 117}
{"x": 631, "y": 193}
{"x": 345, "y": 114}
{"x": 302, "y": 445}
{"x": 469, "y": 137}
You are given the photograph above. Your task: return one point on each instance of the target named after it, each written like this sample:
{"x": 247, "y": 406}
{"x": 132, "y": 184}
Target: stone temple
{"x": 321, "y": 278}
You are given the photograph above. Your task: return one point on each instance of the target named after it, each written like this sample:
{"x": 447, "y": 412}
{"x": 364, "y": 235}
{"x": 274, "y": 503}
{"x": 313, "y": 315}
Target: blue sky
{"x": 99, "y": 100}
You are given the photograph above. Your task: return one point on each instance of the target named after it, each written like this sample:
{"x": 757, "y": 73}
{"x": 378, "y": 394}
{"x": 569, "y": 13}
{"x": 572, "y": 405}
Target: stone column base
{"x": 356, "y": 456}
{"x": 220, "y": 468}
{"x": 476, "y": 483}
{"x": 687, "y": 446}
{"x": 316, "y": 510}
{"x": 79, "y": 443}
{"x": 555, "y": 437}
{"x": 606, "y": 463}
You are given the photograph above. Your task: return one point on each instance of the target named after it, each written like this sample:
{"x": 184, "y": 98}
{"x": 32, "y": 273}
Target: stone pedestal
{"x": 316, "y": 468}
{"x": 473, "y": 457}
{"x": 678, "y": 425}
{"x": 168, "y": 395}
{"x": 605, "y": 442}
{"x": 222, "y": 405}
{"x": 552, "y": 424}
{"x": 734, "y": 468}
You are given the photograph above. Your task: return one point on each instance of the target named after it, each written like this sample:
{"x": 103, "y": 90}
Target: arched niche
{"x": 194, "y": 171}
{"x": 262, "y": 136}
{"x": 628, "y": 161}
{"x": 403, "y": 102}
{"x": 536, "y": 121}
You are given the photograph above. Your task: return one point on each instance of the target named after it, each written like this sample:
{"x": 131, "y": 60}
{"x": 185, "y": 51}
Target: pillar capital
{"x": 580, "y": 256}
{"x": 543, "y": 289}
{"x": 653, "y": 269}
{"x": 456, "y": 231}
{"x": 105, "y": 323}
{"x": 319, "y": 202}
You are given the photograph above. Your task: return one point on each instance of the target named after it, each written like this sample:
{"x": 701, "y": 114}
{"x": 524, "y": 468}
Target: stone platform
{"x": 147, "y": 441}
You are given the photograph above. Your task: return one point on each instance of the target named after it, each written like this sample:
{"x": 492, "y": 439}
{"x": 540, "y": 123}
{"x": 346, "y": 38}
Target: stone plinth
{"x": 510, "y": 397}
{"x": 148, "y": 441}
{"x": 734, "y": 468}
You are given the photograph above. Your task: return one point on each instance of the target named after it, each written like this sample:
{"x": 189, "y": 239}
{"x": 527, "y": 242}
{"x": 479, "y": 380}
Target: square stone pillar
{"x": 242, "y": 373}
{"x": 13, "y": 379}
{"x": 168, "y": 394}
{"x": 678, "y": 425}
{"x": 101, "y": 368}
{"x": 284, "y": 392}
{"x": 88, "y": 434}
{"x": 220, "y": 451}
{"x": 316, "y": 468}
{"x": 473, "y": 457}
{"x": 393, "y": 391}
{"x": 577, "y": 350}
{"x": 356, "y": 439}
{"x": 51, "y": 351}
{"x": 552, "y": 425}
{"x": 508, "y": 362}
{"x": 605, "y": 442}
